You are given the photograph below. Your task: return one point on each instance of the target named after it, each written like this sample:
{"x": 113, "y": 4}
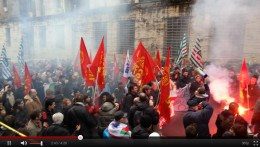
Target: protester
{"x": 34, "y": 125}
{"x": 48, "y": 112}
{"x": 106, "y": 114}
{"x": 199, "y": 117}
{"x": 32, "y": 102}
{"x": 8, "y": 99}
{"x": 128, "y": 99}
{"x": 20, "y": 113}
{"x": 256, "y": 117}
{"x": 56, "y": 129}
{"x": 78, "y": 115}
{"x": 118, "y": 128}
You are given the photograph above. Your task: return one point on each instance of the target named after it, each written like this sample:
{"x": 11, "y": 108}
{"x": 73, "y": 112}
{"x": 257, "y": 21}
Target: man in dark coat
{"x": 128, "y": 100}
{"x": 199, "y": 117}
{"x": 196, "y": 84}
{"x": 143, "y": 130}
{"x": 227, "y": 119}
{"x": 56, "y": 129}
{"x": 78, "y": 115}
{"x": 185, "y": 79}
{"x": 253, "y": 91}
{"x": 144, "y": 107}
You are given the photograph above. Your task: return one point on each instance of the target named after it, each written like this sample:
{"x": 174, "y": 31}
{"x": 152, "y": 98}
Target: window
{"x": 42, "y": 36}
{"x": 5, "y": 5}
{"x": 126, "y": 36}
{"x": 100, "y": 30}
{"x": 23, "y": 7}
{"x": 42, "y": 8}
{"x": 59, "y": 36}
{"x": 175, "y": 28}
{"x": 8, "y": 36}
{"x": 31, "y": 8}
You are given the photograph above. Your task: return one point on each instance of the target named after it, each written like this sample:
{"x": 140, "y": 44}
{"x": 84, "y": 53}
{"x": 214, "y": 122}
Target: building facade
{"x": 51, "y": 29}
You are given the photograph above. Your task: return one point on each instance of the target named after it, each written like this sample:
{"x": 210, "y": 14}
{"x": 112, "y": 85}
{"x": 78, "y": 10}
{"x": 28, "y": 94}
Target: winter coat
{"x": 141, "y": 109}
{"x": 21, "y": 118}
{"x": 201, "y": 118}
{"x": 55, "y": 130}
{"x": 106, "y": 115}
{"x": 33, "y": 105}
{"x": 224, "y": 123}
{"x": 140, "y": 133}
{"x": 78, "y": 114}
{"x": 34, "y": 129}
{"x": 8, "y": 101}
{"x": 128, "y": 102}
{"x": 183, "y": 81}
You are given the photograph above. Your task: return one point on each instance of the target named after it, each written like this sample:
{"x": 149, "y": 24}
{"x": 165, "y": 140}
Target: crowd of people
{"x": 60, "y": 104}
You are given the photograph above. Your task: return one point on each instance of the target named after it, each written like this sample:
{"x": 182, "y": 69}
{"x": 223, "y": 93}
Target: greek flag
{"x": 6, "y": 73}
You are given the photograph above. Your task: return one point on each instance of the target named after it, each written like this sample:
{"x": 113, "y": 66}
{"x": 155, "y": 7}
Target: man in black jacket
{"x": 144, "y": 107}
{"x": 56, "y": 129}
{"x": 128, "y": 100}
{"x": 199, "y": 117}
{"x": 78, "y": 115}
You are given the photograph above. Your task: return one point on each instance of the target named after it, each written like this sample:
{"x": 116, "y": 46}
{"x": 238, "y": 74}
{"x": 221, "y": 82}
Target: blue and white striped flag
{"x": 21, "y": 54}
{"x": 6, "y": 72}
{"x": 183, "y": 52}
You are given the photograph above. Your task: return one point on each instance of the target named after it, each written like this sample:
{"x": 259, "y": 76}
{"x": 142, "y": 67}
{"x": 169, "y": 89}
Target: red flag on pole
{"x": 158, "y": 59}
{"x": 85, "y": 65}
{"x": 98, "y": 66}
{"x": 17, "y": 80}
{"x": 115, "y": 68}
{"x": 142, "y": 65}
{"x": 244, "y": 80}
{"x": 165, "y": 101}
{"x": 157, "y": 62}
{"x": 27, "y": 80}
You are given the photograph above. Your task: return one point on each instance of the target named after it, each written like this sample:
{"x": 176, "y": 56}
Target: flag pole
{"x": 94, "y": 98}
{"x": 12, "y": 129}
{"x": 247, "y": 97}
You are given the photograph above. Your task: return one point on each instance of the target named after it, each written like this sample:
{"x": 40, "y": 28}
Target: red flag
{"x": 158, "y": 59}
{"x": 98, "y": 66}
{"x": 142, "y": 65}
{"x": 165, "y": 101}
{"x": 85, "y": 64}
{"x": 27, "y": 80}
{"x": 76, "y": 65}
{"x": 115, "y": 68}
{"x": 244, "y": 80}
{"x": 17, "y": 80}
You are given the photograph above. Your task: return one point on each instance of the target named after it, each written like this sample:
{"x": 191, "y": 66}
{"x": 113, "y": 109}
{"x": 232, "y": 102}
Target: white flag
{"x": 127, "y": 71}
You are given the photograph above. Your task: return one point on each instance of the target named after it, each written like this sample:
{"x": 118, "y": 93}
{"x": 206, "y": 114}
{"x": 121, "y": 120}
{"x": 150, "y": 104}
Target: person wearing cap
{"x": 199, "y": 117}
{"x": 201, "y": 95}
{"x": 118, "y": 128}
